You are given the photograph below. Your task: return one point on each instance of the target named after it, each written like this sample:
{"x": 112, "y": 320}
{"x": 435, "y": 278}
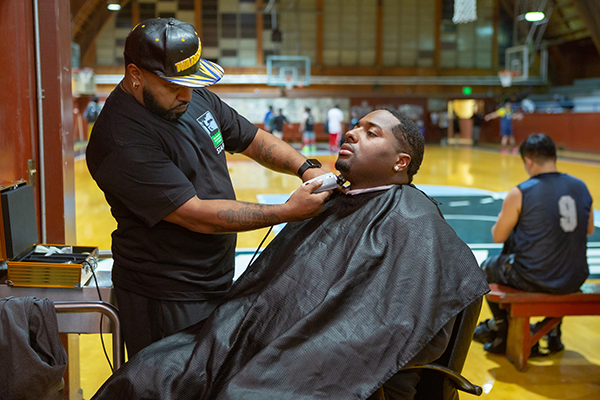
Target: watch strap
{"x": 310, "y": 163}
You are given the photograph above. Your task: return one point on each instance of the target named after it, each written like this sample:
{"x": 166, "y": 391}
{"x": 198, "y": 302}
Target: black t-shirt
{"x": 278, "y": 122}
{"x": 148, "y": 167}
{"x": 310, "y": 123}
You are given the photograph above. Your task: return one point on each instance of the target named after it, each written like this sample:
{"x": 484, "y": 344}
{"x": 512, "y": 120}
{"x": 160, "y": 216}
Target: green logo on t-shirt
{"x": 217, "y": 138}
{"x": 208, "y": 123}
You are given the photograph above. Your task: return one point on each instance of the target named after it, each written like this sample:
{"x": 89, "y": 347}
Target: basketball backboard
{"x": 288, "y": 71}
{"x": 526, "y": 62}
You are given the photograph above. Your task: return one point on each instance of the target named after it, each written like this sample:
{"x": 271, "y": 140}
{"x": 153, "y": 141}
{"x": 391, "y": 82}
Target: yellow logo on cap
{"x": 188, "y": 62}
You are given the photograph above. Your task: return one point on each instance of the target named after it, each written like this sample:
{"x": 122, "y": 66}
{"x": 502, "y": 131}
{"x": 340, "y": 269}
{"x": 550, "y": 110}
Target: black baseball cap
{"x": 171, "y": 49}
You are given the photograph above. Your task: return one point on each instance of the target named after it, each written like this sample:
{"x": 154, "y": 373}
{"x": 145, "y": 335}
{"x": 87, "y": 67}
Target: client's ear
{"x": 402, "y": 162}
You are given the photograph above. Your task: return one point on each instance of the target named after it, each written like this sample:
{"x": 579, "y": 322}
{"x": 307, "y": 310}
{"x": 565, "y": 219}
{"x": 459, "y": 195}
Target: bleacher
{"x": 582, "y": 96}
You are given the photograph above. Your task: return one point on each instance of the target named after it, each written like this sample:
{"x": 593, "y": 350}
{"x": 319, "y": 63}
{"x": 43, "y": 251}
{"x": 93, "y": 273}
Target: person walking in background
{"x": 440, "y": 118}
{"x": 268, "y": 122}
{"x": 278, "y": 122}
{"x": 335, "y": 117}
{"x": 506, "y": 115}
{"x": 91, "y": 113}
{"x": 309, "y": 140}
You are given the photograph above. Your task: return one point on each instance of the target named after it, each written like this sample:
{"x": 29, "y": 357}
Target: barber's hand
{"x": 313, "y": 173}
{"x": 303, "y": 203}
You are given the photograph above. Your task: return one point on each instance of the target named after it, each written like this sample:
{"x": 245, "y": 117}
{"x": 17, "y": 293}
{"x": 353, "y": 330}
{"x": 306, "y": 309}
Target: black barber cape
{"x": 32, "y": 356}
{"x": 331, "y": 309}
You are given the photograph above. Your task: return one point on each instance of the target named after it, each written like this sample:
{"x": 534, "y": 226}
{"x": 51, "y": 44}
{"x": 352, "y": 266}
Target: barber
{"x": 158, "y": 154}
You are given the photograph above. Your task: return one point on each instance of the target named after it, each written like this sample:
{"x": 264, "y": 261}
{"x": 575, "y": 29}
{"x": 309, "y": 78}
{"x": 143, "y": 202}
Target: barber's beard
{"x": 153, "y": 105}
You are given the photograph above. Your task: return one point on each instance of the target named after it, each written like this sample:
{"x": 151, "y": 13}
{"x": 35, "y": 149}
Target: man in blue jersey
{"x": 543, "y": 224}
{"x": 506, "y": 115}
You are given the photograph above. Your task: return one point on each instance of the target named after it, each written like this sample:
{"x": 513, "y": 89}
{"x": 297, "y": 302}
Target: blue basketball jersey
{"x": 551, "y": 235}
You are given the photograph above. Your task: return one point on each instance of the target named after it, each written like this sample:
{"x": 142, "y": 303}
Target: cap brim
{"x": 208, "y": 74}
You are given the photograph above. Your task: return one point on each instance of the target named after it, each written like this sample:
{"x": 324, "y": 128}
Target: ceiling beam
{"x": 76, "y": 5}
{"x": 589, "y": 13}
{"x": 88, "y": 21}
{"x": 566, "y": 32}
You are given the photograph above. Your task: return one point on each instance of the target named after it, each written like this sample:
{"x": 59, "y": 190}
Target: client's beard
{"x": 153, "y": 106}
{"x": 343, "y": 165}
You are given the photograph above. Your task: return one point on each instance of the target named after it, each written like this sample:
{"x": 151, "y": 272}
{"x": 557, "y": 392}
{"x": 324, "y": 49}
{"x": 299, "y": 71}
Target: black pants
{"x": 499, "y": 269}
{"x": 145, "y": 320}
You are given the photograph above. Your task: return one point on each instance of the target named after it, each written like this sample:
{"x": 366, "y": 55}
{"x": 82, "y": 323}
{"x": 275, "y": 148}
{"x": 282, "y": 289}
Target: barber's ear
{"x": 402, "y": 162}
{"x": 135, "y": 72}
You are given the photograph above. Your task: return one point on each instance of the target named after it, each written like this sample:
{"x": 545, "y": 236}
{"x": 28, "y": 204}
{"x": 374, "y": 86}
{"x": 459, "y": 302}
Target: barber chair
{"x": 442, "y": 379}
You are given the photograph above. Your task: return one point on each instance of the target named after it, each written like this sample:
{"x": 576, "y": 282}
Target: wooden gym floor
{"x": 571, "y": 374}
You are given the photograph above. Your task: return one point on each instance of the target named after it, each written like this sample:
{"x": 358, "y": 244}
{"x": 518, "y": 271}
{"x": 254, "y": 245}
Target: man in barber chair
{"x": 335, "y": 306}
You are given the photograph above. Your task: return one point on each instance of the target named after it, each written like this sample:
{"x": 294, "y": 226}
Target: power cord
{"x": 339, "y": 180}
{"x": 95, "y": 261}
{"x": 259, "y": 246}
{"x": 92, "y": 268}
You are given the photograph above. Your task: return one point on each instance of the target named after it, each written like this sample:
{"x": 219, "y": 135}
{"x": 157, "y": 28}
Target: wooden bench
{"x": 523, "y": 305}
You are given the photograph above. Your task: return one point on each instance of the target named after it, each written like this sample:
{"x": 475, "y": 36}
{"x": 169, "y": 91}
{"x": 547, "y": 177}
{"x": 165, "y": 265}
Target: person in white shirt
{"x": 335, "y": 117}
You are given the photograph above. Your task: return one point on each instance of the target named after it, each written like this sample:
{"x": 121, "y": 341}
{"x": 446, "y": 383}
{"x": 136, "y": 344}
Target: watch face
{"x": 310, "y": 163}
{"x": 315, "y": 162}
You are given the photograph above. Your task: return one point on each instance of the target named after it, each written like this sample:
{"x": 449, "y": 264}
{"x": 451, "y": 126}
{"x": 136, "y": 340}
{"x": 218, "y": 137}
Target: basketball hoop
{"x": 464, "y": 11}
{"x": 288, "y": 71}
{"x": 506, "y": 77}
{"x": 289, "y": 83}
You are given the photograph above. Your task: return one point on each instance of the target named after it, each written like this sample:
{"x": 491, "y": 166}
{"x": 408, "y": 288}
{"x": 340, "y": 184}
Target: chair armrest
{"x": 460, "y": 382}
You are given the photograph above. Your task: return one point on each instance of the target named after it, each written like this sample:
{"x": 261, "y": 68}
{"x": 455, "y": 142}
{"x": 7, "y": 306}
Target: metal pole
{"x": 40, "y": 112}
{"x": 104, "y": 308}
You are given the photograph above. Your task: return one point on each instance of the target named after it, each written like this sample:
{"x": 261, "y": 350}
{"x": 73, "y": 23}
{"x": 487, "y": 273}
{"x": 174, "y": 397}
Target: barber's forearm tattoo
{"x": 265, "y": 153}
{"x": 252, "y": 216}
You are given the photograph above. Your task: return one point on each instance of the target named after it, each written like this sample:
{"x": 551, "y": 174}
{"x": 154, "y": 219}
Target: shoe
{"x": 515, "y": 151}
{"x": 502, "y": 151}
{"x": 552, "y": 338}
{"x": 555, "y": 344}
{"x": 537, "y": 352}
{"x": 498, "y": 346}
{"x": 483, "y": 333}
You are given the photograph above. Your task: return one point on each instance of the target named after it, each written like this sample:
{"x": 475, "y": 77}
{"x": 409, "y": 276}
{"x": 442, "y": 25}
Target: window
{"x": 349, "y": 32}
{"x": 229, "y": 26}
{"x": 409, "y": 33}
{"x": 467, "y": 45}
{"x": 147, "y": 11}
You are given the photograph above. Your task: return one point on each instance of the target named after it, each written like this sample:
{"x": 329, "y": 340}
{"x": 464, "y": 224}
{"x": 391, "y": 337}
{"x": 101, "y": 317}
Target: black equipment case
{"x": 30, "y": 264}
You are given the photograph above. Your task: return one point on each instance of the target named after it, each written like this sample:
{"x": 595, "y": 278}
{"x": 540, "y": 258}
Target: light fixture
{"x": 534, "y": 16}
{"x": 113, "y": 5}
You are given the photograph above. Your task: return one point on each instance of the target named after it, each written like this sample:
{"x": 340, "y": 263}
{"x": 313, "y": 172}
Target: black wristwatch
{"x": 310, "y": 163}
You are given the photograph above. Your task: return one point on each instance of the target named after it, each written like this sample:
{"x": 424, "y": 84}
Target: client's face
{"x": 370, "y": 153}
